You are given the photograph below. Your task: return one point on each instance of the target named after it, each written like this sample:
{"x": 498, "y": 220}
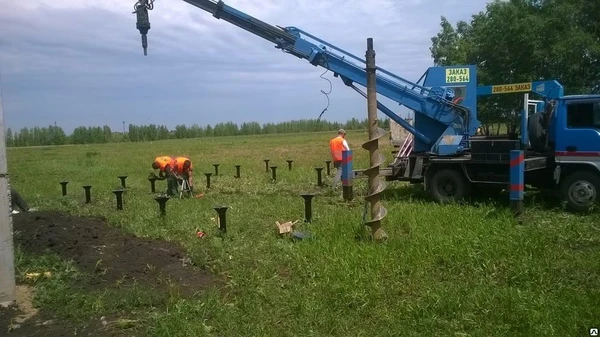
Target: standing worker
{"x": 166, "y": 167}
{"x": 184, "y": 168}
{"x": 337, "y": 145}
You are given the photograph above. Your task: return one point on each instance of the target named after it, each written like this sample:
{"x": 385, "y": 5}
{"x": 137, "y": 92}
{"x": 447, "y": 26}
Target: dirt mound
{"x": 107, "y": 253}
{"x": 109, "y": 256}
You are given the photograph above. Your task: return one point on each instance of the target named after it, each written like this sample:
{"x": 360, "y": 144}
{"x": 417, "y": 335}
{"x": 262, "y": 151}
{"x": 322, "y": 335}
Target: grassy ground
{"x": 469, "y": 270}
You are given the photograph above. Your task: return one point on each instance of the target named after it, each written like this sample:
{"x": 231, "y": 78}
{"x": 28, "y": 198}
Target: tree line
{"x": 520, "y": 41}
{"x": 55, "y": 135}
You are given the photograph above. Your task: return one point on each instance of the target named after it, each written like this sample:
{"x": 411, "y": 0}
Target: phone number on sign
{"x": 500, "y": 89}
{"x": 456, "y": 79}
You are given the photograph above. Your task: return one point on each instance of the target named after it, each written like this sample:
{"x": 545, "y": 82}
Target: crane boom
{"x": 268, "y": 32}
{"x": 444, "y": 125}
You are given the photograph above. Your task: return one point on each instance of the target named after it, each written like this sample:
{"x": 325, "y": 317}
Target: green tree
{"x": 9, "y": 138}
{"x": 107, "y": 134}
{"x": 524, "y": 40}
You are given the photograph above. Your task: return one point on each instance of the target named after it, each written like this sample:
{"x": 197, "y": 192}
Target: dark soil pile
{"x": 108, "y": 255}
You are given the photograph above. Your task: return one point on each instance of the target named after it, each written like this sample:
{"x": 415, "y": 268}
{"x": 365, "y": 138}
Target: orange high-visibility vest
{"x": 179, "y": 164}
{"x": 163, "y": 162}
{"x": 336, "y": 145}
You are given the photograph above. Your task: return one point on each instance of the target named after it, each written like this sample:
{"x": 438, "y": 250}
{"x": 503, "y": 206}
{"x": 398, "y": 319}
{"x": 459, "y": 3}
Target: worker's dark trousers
{"x": 172, "y": 186}
{"x": 338, "y": 174}
{"x": 17, "y": 200}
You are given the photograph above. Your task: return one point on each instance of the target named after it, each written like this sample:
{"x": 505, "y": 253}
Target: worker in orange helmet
{"x": 184, "y": 168}
{"x": 336, "y": 146}
{"x": 166, "y": 167}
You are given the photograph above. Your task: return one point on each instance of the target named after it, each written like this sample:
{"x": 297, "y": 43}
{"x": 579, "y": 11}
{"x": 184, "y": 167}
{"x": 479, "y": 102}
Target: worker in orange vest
{"x": 184, "y": 168}
{"x": 336, "y": 146}
{"x": 166, "y": 167}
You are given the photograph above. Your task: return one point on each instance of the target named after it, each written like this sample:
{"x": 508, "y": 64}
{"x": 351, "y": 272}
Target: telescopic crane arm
{"x": 454, "y": 118}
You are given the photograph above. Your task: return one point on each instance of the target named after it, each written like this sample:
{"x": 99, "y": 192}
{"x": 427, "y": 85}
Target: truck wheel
{"x": 448, "y": 185}
{"x": 580, "y": 190}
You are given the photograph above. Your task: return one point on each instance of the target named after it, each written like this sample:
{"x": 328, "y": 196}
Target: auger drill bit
{"x": 143, "y": 22}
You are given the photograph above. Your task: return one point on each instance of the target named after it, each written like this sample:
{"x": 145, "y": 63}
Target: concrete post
{"x": 7, "y": 257}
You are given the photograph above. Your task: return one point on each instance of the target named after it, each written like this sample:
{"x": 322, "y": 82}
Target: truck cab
{"x": 574, "y": 136}
{"x": 575, "y": 129}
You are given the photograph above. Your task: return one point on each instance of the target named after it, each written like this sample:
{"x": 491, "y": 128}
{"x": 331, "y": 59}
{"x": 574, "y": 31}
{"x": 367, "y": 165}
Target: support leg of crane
{"x": 517, "y": 180}
{"x": 347, "y": 175}
{"x": 376, "y": 186}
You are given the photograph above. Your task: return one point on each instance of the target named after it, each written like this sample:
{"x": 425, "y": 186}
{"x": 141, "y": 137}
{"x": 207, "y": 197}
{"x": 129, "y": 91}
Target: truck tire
{"x": 448, "y": 185}
{"x": 580, "y": 190}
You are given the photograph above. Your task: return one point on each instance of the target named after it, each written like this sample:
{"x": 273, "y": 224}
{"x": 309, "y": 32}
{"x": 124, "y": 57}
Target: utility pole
{"x": 7, "y": 254}
{"x": 376, "y": 185}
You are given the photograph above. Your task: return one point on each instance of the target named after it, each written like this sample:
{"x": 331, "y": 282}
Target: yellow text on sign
{"x": 457, "y": 75}
{"x": 509, "y": 88}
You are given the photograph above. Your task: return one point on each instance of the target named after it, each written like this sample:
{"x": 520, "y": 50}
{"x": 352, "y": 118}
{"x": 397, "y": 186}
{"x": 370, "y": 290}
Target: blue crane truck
{"x": 560, "y": 140}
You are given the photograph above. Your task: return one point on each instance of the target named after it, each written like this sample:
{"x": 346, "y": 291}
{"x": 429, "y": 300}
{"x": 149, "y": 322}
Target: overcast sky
{"x": 77, "y": 62}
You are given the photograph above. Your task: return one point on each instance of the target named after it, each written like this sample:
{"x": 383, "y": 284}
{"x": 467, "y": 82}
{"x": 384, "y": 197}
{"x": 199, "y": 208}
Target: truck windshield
{"x": 583, "y": 115}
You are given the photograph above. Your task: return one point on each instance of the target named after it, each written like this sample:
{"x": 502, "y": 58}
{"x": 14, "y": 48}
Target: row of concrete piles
{"x": 221, "y": 210}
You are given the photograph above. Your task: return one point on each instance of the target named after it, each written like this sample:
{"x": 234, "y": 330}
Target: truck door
{"x": 577, "y": 137}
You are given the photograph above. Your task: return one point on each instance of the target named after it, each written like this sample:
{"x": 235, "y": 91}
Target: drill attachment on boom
{"x": 143, "y": 21}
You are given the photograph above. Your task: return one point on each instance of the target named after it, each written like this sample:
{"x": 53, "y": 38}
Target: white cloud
{"x": 89, "y": 53}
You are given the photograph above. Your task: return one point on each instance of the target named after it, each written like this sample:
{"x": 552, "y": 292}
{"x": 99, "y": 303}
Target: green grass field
{"x": 446, "y": 270}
